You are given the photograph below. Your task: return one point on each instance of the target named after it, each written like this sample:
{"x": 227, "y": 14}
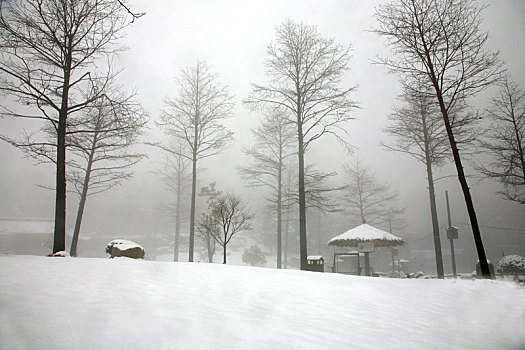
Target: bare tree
{"x": 231, "y": 215}
{"x": 176, "y": 177}
{"x": 505, "y": 141}
{"x": 101, "y": 143}
{"x": 207, "y": 226}
{"x": 273, "y": 140}
{"x": 304, "y": 71}
{"x": 419, "y": 132}
{"x": 49, "y": 50}
{"x": 196, "y": 117}
{"x": 439, "y": 42}
{"x": 367, "y": 199}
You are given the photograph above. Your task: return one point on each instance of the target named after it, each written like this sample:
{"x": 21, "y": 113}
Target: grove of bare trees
{"x": 440, "y": 44}
{"x": 48, "y": 65}
{"x": 304, "y": 72}
{"x": 274, "y": 139}
{"x": 195, "y": 116}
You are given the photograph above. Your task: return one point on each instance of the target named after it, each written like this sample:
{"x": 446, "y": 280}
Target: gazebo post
{"x": 367, "y": 264}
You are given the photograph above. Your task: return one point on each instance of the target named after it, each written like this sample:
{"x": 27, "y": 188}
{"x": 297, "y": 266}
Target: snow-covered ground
{"x": 80, "y": 303}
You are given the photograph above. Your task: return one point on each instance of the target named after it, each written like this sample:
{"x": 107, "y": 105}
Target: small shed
{"x": 315, "y": 263}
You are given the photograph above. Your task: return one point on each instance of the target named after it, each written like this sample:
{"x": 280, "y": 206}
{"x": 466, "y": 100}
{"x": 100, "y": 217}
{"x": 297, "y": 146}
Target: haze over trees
{"x": 368, "y": 200}
{"x": 441, "y": 44}
{"x": 176, "y": 176}
{"x": 302, "y": 91}
{"x": 195, "y": 116}
{"x": 304, "y": 72}
{"x": 48, "y": 64}
{"x": 419, "y": 132}
{"x": 274, "y": 139}
{"x": 505, "y": 141}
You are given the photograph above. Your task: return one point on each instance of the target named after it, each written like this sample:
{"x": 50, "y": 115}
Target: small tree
{"x": 231, "y": 215}
{"x": 254, "y": 256}
{"x": 505, "y": 142}
{"x": 207, "y": 226}
{"x": 305, "y": 71}
{"x": 196, "y": 118}
{"x": 439, "y": 42}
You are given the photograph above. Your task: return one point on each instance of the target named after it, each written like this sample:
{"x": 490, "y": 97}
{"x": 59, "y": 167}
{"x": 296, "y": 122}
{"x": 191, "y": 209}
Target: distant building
{"x": 26, "y": 236}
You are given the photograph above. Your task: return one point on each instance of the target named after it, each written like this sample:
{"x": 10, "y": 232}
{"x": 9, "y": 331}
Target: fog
{"x": 232, "y": 36}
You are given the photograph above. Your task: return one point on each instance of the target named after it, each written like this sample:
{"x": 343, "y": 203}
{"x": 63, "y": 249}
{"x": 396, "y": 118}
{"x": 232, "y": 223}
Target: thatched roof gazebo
{"x": 366, "y": 235}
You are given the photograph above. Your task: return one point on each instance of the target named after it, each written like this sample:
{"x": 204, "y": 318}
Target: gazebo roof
{"x": 366, "y": 233}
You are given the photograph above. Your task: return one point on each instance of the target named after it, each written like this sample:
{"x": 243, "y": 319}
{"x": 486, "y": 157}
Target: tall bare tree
{"x": 231, "y": 216}
{"x": 368, "y": 200}
{"x": 101, "y": 144}
{"x": 273, "y": 140}
{"x": 304, "y": 72}
{"x": 505, "y": 141}
{"x": 176, "y": 177}
{"x": 419, "y": 132}
{"x": 49, "y": 50}
{"x": 439, "y": 42}
{"x": 196, "y": 117}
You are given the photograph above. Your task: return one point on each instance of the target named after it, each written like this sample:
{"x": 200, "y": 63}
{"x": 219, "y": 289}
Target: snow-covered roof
{"x": 366, "y": 233}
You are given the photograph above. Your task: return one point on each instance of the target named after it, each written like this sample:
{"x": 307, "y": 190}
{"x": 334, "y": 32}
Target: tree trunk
{"x": 303, "y": 250}
{"x": 224, "y": 253}
{"x": 435, "y": 224}
{"x": 279, "y": 213}
{"x": 484, "y": 266}
{"x": 209, "y": 242}
{"x": 433, "y": 208}
{"x": 193, "y": 195}
{"x": 319, "y": 232}
{"x": 302, "y": 206}
{"x": 59, "y": 239}
{"x": 286, "y": 232}
{"x": 177, "y": 213}
{"x": 83, "y": 195}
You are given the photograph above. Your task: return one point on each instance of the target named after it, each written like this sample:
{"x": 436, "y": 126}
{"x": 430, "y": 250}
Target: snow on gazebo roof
{"x": 366, "y": 233}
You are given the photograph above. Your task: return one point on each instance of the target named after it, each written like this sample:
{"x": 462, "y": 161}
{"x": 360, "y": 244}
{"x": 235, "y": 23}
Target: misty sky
{"x": 232, "y": 37}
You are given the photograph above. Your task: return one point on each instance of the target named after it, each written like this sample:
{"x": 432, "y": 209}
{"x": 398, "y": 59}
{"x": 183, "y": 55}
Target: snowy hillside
{"x": 65, "y": 303}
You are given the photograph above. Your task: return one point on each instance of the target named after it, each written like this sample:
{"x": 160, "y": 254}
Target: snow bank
{"x": 104, "y": 303}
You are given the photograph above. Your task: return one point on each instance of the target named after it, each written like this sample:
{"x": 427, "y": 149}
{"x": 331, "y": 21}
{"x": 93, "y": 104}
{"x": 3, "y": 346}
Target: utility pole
{"x": 452, "y": 233}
